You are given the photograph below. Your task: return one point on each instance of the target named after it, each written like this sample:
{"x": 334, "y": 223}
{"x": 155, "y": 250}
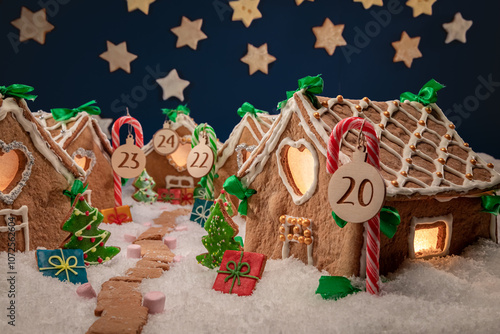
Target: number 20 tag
{"x": 200, "y": 160}
{"x": 356, "y": 191}
{"x": 128, "y": 160}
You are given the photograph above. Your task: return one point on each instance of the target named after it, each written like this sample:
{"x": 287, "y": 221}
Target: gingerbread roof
{"x": 421, "y": 153}
{"x": 257, "y": 127}
{"x": 41, "y": 138}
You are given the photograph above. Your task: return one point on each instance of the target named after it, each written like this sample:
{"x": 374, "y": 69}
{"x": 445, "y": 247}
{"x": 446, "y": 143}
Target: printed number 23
{"x": 361, "y": 190}
{"x": 126, "y": 159}
{"x": 197, "y": 157}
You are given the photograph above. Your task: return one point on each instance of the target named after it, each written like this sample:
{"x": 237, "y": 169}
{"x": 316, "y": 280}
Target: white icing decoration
{"x": 22, "y": 211}
{"x": 494, "y": 220}
{"x": 285, "y": 250}
{"x": 88, "y": 154}
{"x": 239, "y": 152}
{"x": 448, "y": 220}
{"x": 181, "y": 121}
{"x": 30, "y": 160}
{"x": 173, "y": 181}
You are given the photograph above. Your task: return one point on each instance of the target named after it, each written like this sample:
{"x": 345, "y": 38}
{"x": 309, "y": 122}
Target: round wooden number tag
{"x": 128, "y": 160}
{"x": 356, "y": 191}
{"x": 165, "y": 141}
{"x": 200, "y": 160}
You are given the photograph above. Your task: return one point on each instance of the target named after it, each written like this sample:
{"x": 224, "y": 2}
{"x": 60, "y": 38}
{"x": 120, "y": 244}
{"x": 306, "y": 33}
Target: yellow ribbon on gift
{"x": 63, "y": 264}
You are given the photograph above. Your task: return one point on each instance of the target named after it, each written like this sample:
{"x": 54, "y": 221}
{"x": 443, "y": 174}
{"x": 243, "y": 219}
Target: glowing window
{"x": 9, "y": 167}
{"x": 178, "y": 159}
{"x": 430, "y": 237}
{"x": 83, "y": 162}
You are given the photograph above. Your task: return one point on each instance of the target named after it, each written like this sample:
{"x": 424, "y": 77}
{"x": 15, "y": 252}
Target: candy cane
{"x": 212, "y": 138}
{"x": 139, "y": 141}
{"x": 373, "y": 238}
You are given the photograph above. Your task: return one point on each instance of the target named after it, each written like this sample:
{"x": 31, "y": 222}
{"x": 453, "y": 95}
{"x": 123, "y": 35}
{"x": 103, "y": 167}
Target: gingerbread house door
{"x": 14, "y": 230}
{"x": 296, "y": 230}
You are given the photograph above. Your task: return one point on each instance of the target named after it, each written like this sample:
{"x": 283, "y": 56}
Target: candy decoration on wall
{"x": 357, "y": 190}
{"x": 129, "y": 158}
{"x": 202, "y": 158}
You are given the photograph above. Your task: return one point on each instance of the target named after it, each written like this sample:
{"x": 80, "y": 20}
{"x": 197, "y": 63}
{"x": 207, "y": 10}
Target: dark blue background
{"x": 67, "y": 70}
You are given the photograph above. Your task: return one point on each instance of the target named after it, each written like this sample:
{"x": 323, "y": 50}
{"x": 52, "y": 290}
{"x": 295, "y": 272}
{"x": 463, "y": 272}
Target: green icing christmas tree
{"x": 221, "y": 232}
{"x": 227, "y": 202}
{"x": 85, "y": 235}
{"x": 145, "y": 184}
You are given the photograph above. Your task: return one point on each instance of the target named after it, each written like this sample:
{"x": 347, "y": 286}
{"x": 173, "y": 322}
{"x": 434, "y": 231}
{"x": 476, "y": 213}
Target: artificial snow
{"x": 453, "y": 294}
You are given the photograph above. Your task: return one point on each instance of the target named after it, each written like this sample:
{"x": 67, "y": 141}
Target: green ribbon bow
{"x": 491, "y": 204}
{"x": 389, "y": 221}
{"x": 62, "y": 114}
{"x": 76, "y": 188}
{"x": 247, "y": 108}
{"x": 19, "y": 91}
{"x": 172, "y": 113}
{"x": 235, "y": 273}
{"x": 233, "y": 186}
{"x": 426, "y": 95}
{"x": 335, "y": 287}
{"x": 312, "y": 86}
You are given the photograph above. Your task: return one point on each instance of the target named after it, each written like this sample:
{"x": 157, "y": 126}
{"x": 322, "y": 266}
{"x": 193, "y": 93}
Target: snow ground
{"x": 454, "y": 294}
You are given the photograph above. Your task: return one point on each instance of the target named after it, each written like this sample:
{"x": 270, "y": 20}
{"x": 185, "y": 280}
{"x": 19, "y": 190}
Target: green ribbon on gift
{"x": 19, "y": 91}
{"x": 491, "y": 204}
{"x": 247, "y": 108}
{"x": 426, "y": 95}
{"x": 62, "y": 114}
{"x": 76, "y": 188}
{"x": 335, "y": 287}
{"x": 233, "y": 186}
{"x": 172, "y": 113}
{"x": 389, "y": 221}
{"x": 235, "y": 273}
{"x": 312, "y": 87}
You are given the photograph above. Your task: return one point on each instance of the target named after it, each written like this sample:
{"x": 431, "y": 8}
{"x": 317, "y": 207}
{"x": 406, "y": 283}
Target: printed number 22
{"x": 361, "y": 190}
{"x": 125, "y": 160}
{"x": 203, "y": 163}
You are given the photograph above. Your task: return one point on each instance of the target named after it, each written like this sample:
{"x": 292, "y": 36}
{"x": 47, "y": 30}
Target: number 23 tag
{"x": 128, "y": 160}
{"x": 200, "y": 160}
{"x": 356, "y": 191}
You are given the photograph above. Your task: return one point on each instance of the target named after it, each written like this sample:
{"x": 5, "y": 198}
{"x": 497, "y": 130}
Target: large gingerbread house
{"x": 433, "y": 178}
{"x": 82, "y": 138}
{"x": 170, "y": 171}
{"x": 34, "y": 172}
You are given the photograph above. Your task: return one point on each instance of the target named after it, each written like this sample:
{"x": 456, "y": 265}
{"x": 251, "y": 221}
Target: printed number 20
{"x": 361, "y": 190}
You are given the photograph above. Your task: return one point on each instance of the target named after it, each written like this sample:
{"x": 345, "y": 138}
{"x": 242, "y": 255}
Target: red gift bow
{"x": 117, "y": 218}
{"x": 186, "y": 197}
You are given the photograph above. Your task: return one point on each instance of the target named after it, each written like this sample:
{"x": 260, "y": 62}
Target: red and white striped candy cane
{"x": 115, "y": 136}
{"x": 373, "y": 238}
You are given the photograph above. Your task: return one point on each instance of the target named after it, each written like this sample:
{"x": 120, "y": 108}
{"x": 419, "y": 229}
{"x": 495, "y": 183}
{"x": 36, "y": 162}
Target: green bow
{"x": 491, "y": 204}
{"x": 62, "y": 114}
{"x": 250, "y": 109}
{"x": 235, "y": 273}
{"x": 426, "y": 95}
{"x": 335, "y": 287}
{"x": 389, "y": 221}
{"x": 312, "y": 86}
{"x": 172, "y": 113}
{"x": 76, "y": 188}
{"x": 19, "y": 91}
{"x": 233, "y": 186}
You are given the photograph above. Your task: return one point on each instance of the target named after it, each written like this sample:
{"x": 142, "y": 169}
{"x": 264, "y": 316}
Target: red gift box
{"x": 172, "y": 196}
{"x": 187, "y": 196}
{"x": 239, "y": 272}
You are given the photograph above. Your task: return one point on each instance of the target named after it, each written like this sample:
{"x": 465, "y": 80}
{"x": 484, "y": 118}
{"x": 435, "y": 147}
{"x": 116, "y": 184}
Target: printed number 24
{"x": 169, "y": 141}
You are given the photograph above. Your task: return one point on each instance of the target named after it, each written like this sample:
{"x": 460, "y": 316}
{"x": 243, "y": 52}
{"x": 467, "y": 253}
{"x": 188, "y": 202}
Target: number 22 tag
{"x": 356, "y": 191}
{"x": 200, "y": 160}
{"x": 128, "y": 160}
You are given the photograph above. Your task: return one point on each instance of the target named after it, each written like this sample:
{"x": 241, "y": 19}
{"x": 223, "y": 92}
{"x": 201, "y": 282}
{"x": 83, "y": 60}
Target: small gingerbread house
{"x": 34, "y": 172}
{"x": 170, "y": 171}
{"x": 82, "y": 138}
{"x": 433, "y": 178}
{"x": 241, "y": 142}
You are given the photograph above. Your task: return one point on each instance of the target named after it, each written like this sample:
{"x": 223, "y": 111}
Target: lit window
{"x": 178, "y": 159}
{"x": 83, "y": 162}
{"x": 430, "y": 237}
{"x": 9, "y": 167}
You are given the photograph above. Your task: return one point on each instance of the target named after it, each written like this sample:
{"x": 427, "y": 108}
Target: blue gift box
{"x": 201, "y": 211}
{"x": 64, "y": 264}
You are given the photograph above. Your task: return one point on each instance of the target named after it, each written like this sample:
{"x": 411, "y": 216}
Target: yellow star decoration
{"x": 189, "y": 33}
{"x": 368, "y": 3}
{"x": 118, "y": 56}
{"x": 142, "y": 5}
{"x": 421, "y": 6}
{"x": 329, "y": 36}
{"x": 257, "y": 58}
{"x": 32, "y": 25}
{"x": 246, "y": 11}
{"x": 406, "y": 49}
{"x": 299, "y": 2}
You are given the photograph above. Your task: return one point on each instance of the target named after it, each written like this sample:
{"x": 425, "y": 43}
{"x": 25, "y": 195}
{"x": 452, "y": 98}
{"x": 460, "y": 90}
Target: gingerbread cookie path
{"x": 119, "y": 303}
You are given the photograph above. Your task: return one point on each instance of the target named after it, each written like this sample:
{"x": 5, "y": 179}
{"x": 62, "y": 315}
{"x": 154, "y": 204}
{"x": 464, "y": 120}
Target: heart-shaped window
{"x": 15, "y": 169}
{"x": 85, "y": 159}
{"x": 178, "y": 159}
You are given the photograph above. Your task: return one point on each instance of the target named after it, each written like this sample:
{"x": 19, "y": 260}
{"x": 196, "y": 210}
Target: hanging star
{"x": 246, "y": 11}
{"x": 421, "y": 6}
{"x": 299, "y": 2}
{"x": 189, "y": 33}
{"x": 368, "y": 3}
{"x": 406, "y": 49}
{"x": 118, "y": 56}
{"x": 104, "y": 124}
{"x": 142, "y": 5}
{"x": 457, "y": 28}
{"x": 172, "y": 85}
{"x": 257, "y": 58}
{"x": 329, "y": 36}
{"x": 32, "y": 25}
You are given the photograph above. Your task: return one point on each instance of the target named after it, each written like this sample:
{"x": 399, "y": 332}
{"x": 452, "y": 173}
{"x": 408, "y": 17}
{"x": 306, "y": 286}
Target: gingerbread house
{"x": 82, "y": 138}
{"x": 34, "y": 172}
{"x": 241, "y": 142}
{"x": 433, "y": 178}
{"x": 170, "y": 171}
